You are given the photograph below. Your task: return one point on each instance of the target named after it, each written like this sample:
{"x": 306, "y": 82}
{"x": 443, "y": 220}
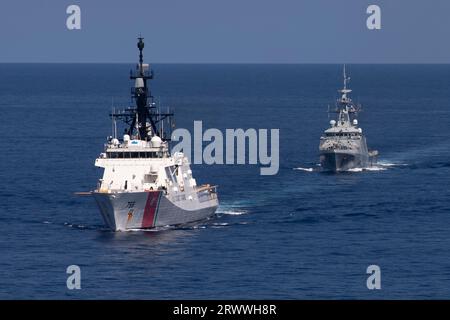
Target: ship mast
{"x": 142, "y": 96}
{"x": 345, "y": 102}
{"x": 345, "y": 91}
{"x": 143, "y": 120}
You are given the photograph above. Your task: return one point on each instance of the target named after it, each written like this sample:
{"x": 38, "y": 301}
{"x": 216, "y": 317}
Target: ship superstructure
{"x": 343, "y": 146}
{"x": 143, "y": 185}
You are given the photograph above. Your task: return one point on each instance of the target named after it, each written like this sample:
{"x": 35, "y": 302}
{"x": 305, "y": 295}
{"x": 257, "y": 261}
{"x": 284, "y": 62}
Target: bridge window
{"x": 134, "y": 155}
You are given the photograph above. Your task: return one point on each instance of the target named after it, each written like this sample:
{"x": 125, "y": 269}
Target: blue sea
{"x": 300, "y": 234}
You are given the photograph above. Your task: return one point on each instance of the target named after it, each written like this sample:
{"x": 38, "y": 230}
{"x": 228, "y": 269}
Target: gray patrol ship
{"x": 343, "y": 146}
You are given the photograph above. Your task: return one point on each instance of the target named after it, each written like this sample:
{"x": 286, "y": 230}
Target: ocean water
{"x": 300, "y": 234}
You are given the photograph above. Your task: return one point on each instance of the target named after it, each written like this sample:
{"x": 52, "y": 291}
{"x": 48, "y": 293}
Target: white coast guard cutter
{"x": 143, "y": 185}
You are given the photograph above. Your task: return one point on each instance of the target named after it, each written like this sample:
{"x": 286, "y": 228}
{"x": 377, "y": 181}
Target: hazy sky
{"x": 235, "y": 31}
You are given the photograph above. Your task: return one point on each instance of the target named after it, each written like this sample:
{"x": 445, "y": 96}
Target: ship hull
{"x": 123, "y": 211}
{"x": 341, "y": 161}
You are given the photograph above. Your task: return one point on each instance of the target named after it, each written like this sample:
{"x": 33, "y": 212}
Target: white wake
{"x": 380, "y": 166}
{"x": 304, "y": 169}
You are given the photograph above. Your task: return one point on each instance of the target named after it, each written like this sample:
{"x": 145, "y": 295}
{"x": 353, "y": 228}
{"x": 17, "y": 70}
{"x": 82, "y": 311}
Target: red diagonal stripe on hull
{"x": 150, "y": 209}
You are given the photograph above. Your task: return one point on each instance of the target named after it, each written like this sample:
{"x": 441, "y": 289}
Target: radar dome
{"x": 332, "y": 123}
{"x": 355, "y": 122}
{"x": 156, "y": 142}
